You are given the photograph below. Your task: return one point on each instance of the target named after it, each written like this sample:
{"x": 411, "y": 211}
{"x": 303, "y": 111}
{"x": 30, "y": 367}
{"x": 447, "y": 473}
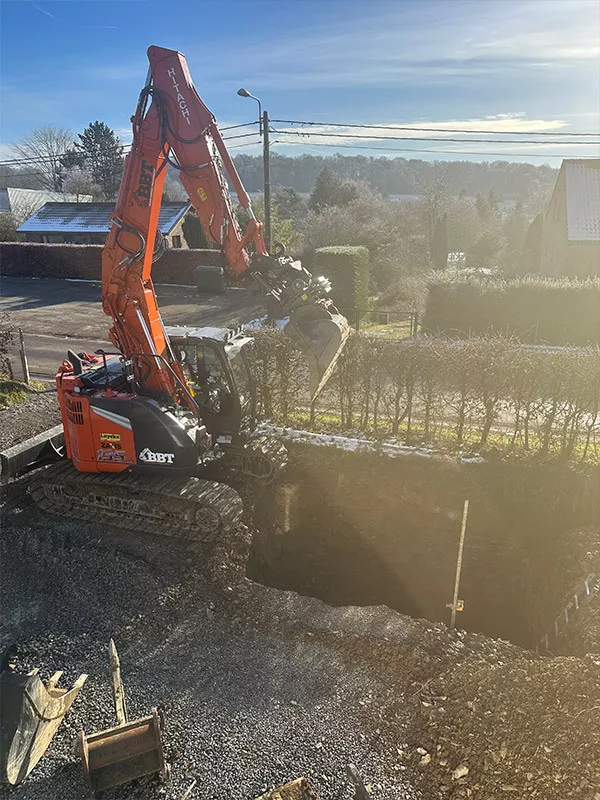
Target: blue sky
{"x": 526, "y": 65}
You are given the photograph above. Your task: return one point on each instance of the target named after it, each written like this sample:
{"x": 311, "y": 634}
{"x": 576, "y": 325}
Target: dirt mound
{"x": 530, "y": 729}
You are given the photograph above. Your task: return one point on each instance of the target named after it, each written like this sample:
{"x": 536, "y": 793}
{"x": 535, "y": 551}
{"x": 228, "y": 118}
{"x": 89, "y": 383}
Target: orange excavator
{"x": 149, "y": 426}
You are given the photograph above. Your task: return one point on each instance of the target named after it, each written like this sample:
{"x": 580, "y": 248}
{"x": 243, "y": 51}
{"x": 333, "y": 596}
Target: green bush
{"x": 348, "y": 270}
{"x": 533, "y": 309}
{"x": 484, "y": 395}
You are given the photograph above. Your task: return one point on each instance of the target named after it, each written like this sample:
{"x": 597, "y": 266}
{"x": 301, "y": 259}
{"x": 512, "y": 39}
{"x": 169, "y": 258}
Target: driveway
{"x": 59, "y": 314}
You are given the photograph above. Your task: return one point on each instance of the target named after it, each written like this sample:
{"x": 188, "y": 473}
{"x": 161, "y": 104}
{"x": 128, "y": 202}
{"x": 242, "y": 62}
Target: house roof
{"x": 91, "y": 218}
{"x": 23, "y": 202}
{"x": 583, "y": 199}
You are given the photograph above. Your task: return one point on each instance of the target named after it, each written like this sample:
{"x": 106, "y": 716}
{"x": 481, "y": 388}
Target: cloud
{"x": 501, "y": 124}
{"x": 43, "y": 11}
{"x": 307, "y": 139}
{"x": 417, "y": 44}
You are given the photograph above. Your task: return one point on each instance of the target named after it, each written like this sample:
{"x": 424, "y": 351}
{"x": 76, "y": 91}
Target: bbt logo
{"x": 150, "y": 457}
{"x": 143, "y": 193}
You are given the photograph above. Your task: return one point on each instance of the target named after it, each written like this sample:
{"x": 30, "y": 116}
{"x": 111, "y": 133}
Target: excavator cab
{"x": 217, "y": 366}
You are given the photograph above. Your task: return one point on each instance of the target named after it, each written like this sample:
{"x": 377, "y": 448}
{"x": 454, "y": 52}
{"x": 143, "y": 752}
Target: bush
{"x": 477, "y": 395}
{"x": 534, "y": 309}
{"x": 348, "y": 270}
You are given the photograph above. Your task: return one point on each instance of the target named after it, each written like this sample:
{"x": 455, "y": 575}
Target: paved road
{"x": 58, "y": 314}
{"x": 44, "y": 353}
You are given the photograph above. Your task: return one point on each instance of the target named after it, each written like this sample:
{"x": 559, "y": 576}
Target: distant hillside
{"x": 401, "y": 176}
{"x": 391, "y": 176}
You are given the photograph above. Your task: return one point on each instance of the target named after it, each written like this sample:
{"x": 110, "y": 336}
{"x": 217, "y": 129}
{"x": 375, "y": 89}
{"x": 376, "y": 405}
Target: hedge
{"x": 84, "y": 261}
{"x": 348, "y": 270}
{"x": 534, "y": 309}
{"x": 476, "y": 395}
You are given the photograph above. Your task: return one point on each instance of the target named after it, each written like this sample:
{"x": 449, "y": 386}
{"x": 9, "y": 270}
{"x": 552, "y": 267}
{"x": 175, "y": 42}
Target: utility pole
{"x": 267, "y": 184}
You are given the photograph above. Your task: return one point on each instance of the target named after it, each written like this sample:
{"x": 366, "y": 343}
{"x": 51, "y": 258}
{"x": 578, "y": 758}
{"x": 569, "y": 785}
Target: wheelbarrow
{"x": 127, "y": 751}
{"x": 30, "y": 714}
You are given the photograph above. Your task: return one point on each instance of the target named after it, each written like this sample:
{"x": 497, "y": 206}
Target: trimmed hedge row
{"x": 534, "y": 309}
{"x": 348, "y": 270}
{"x": 84, "y": 261}
{"x": 472, "y": 395}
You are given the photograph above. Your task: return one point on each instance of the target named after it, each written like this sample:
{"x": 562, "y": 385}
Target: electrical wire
{"x": 244, "y": 144}
{"x": 430, "y": 138}
{"x": 444, "y": 152}
{"x": 50, "y": 158}
{"x": 430, "y": 130}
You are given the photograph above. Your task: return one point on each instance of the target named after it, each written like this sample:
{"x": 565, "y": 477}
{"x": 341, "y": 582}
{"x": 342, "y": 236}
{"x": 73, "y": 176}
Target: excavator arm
{"x": 172, "y": 125}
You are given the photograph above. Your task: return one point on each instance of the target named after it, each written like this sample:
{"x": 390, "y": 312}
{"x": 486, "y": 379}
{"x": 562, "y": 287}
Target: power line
{"x": 244, "y": 144}
{"x": 429, "y": 130}
{"x": 50, "y": 158}
{"x": 241, "y": 125}
{"x": 420, "y": 150}
{"x": 431, "y": 138}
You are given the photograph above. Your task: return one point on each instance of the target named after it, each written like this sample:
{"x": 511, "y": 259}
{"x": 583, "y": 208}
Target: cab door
{"x": 209, "y": 378}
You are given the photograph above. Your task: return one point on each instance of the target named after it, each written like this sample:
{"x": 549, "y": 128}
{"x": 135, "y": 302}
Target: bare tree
{"x": 79, "y": 181}
{"x": 43, "y": 148}
{"x": 8, "y": 227}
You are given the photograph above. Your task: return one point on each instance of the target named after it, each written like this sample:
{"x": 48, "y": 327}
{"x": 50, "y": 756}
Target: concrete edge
{"x": 17, "y": 459}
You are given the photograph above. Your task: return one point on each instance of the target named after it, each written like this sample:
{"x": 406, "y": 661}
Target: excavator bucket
{"x": 30, "y": 714}
{"x": 321, "y": 335}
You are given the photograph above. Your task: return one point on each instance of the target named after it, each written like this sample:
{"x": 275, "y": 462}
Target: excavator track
{"x": 185, "y": 508}
{"x": 260, "y": 459}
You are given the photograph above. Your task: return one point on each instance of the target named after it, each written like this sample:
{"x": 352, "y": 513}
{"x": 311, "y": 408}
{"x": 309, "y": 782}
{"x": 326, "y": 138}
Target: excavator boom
{"x": 172, "y": 125}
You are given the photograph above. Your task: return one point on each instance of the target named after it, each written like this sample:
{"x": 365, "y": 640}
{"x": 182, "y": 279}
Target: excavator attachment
{"x": 314, "y": 322}
{"x": 30, "y": 714}
{"x": 321, "y": 335}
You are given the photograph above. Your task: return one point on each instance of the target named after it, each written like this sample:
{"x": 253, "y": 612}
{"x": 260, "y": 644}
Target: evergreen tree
{"x": 483, "y": 206}
{"x": 194, "y": 232}
{"x": 484, "y": 250}
{"x": 439, "y": 244}
{"x": 289, "y": 204}
{"x": 331, "y": 191}
{"x": 100, "y": 153}
{"x": 532, "y": 249}
{"x": 492, "y": 199}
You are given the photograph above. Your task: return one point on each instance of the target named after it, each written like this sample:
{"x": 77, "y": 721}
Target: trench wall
{"x": 363, "y": 528}
{"x": 84, "y": 261}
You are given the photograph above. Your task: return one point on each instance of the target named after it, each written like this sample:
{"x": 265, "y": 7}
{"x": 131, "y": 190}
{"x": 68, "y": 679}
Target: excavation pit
{"x": 359, "y": 528}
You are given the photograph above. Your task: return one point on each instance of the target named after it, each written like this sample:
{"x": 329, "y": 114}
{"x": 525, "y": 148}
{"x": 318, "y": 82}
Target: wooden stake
{"x": 23, "y": 355}
{"x": 117, "y": 684}
{"x": 463, "y": 531}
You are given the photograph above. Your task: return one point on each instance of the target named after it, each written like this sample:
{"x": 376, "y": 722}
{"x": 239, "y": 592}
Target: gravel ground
{"x": 19, "y": 422}
{"x": 260, "y": 686}
{"x": 248, "y": 706}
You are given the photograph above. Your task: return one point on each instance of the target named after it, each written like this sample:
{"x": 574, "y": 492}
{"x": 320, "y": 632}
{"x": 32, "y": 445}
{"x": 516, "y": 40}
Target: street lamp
{"x": 263, "y": 121}
{"x": 245, "y": 93}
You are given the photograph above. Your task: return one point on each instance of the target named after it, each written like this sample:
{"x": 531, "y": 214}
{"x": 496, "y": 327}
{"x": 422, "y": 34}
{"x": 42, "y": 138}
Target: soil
{"x": 260, "y": 685}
